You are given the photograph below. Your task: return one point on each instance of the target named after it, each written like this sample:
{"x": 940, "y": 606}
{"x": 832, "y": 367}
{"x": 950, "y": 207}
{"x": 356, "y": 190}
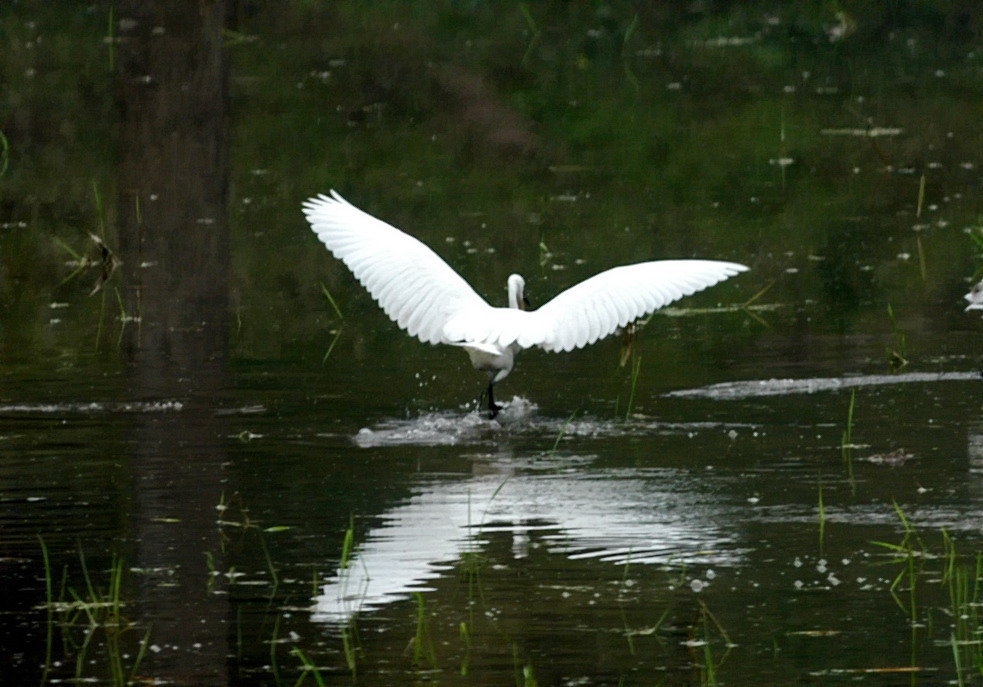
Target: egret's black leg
{"x": 493, "y": 407}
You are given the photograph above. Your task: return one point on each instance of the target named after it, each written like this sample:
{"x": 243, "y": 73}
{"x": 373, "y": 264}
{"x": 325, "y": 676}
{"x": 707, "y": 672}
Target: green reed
{"x": 49, "y": 604}
{"x": 822, "y": 518}
{"x": 898, "y": 354}
{"x": 464, "y": 632}
{"x": 708, "y": 671}
{"x": 636, "y": 367}
{"x": 307, "y": 668}
{"x": 350, "y": 648}
{"x": 4, "y": 154}
{"x": 922, "y": 269}
{"x": 975, "y": 234}
{"x": 535, "y": 36}
{"x": 846, "y": 443}
{"x": 525, "y": 676}
{"x": 423, "y": 646}
{"x": 562, "y": 433}
{"x": 334, "y": 342}
{"x": 332, "y": 301}
{"x": 348, "y": 543}
{"x": 111, "y": 38}
{"x": 274, "y": 641}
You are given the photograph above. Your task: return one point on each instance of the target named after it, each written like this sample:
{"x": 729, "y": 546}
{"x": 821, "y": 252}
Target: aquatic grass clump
{"x": 910, "y": 551}
{"x": 961, "y": 581}
{"x": 91, "y": 619}
{"x": 964, "y": 581}
{"x": 247, "y": 526}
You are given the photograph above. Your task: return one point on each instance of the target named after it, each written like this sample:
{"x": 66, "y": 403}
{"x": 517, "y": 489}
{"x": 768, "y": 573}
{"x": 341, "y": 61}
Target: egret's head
{"x": 516, "y": 297}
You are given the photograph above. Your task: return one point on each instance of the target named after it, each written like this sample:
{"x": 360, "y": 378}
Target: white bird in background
{"x": 975, "y": 297}
{"x": 427, "y": 298}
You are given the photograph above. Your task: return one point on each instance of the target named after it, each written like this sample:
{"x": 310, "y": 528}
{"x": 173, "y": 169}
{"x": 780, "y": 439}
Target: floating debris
{"x": 868, "y": 671}
{"x": 873, "y": 132}
{"x": 727, "y": 41}
{"x": 892, "y": 459}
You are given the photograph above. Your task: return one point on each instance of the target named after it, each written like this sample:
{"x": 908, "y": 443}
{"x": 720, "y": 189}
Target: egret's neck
{"x": 516, "y": 285}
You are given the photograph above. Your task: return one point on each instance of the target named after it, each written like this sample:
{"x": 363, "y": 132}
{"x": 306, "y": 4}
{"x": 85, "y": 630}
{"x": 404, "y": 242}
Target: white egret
{"x": 427, "y": 298}
{"x": 975, "y": 297}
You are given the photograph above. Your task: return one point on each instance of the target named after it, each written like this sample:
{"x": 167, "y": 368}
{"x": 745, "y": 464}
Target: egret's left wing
{"x": 597, "y": 306}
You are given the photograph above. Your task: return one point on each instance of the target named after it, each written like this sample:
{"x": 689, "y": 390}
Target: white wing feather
{"x": 597, "y": 306}
{"x": 415, "y": 288}
{"x": 424, "y": 296}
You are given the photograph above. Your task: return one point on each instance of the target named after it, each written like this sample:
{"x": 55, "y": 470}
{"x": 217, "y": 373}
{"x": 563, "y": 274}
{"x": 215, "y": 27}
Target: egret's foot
{"x": 493, "y": 408}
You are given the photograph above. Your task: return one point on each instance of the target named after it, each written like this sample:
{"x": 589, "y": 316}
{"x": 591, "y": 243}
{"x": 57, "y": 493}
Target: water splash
{"x": 519, "y": 418}
{"x": 446, "y": 428}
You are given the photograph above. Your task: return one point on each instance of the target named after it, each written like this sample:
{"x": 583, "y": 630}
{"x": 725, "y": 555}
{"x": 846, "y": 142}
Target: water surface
{"x": 210, "y": 478}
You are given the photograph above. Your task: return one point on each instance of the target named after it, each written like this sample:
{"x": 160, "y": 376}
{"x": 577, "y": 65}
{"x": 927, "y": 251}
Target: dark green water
{"x": 207, "y": 426}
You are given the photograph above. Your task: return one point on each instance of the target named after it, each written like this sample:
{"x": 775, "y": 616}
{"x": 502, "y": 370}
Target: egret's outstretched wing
{"x": 412, "y": 284}
{"x": 596, "y": 307}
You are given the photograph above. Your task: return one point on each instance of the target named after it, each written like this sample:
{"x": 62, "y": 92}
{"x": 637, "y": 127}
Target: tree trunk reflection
{"x": 173, "y": 179}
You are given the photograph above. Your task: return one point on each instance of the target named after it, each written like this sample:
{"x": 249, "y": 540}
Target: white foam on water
{"x": 93, "y": 407}
{"x": 102, "y": 407}
{"x": 783, "y": 387}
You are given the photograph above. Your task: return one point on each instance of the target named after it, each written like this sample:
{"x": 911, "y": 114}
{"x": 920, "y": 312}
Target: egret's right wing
{"x": 412, "y": 284}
